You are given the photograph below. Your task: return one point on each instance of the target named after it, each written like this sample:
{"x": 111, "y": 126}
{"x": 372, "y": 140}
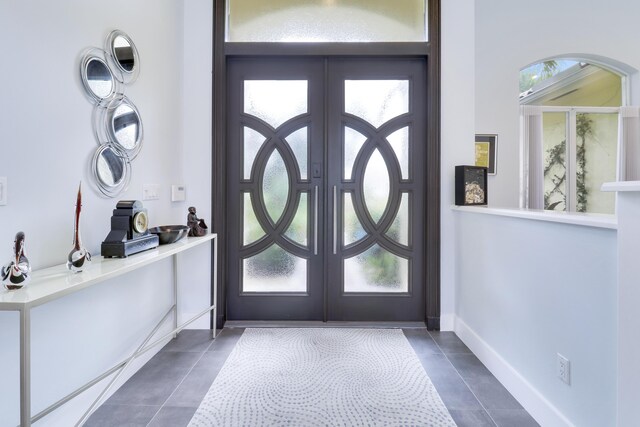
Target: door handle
{"x": 335, "y": 220}
{"x": 315, "y": 220}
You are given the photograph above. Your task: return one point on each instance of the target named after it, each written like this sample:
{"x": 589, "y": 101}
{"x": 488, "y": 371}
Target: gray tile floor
{"x": 169, "y": 388}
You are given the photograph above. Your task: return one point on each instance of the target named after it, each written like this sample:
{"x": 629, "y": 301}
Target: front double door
{"x": 325, "y": 189}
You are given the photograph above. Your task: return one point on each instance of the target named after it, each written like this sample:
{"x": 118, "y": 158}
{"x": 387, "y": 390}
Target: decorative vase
{"x": 17, "y": 272}
{"x": 79, "y": 255}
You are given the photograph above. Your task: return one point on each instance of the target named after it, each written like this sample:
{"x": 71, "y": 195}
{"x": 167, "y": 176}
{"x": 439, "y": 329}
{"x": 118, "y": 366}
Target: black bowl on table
{"x": 169, "y": 233}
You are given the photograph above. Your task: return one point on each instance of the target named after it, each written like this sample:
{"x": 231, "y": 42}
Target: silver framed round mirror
{"x": 125, "y": 126}
{"x": 111, "y": 170}
{"x": 99, "y": 81}
{"x": 123, "y": 55}
{"x": 120, "y": 124}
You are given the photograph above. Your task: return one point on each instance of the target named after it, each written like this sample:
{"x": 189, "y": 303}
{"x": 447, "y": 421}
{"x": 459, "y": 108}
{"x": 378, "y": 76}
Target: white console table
{"x": 56, "y": 282}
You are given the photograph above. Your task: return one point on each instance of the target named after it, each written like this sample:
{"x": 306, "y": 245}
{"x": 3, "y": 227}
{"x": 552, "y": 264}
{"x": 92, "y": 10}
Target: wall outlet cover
{"x": 3, "y": 190}
{"x": 150, "y": 192}
{"x": 564, "y": 369}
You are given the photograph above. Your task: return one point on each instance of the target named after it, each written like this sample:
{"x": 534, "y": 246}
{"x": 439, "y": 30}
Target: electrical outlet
{"x": 3, "y": 190}
{"x": 564, "y": 369}
{"x": 150, "y": 192}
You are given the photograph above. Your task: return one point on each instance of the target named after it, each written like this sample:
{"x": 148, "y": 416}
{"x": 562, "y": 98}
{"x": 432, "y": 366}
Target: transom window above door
{"x": 326, "y": 21}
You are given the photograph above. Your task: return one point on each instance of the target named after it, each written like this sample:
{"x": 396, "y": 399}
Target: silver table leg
{"x": 215, "y": 286}
{"x": 175, "y": 293}
{"x": 25, "y": 367}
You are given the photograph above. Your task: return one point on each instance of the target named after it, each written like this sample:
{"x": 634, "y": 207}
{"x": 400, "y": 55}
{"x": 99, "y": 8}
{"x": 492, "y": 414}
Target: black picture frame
{"x": 471, "y": 186}
{"x": 492, "y": 140}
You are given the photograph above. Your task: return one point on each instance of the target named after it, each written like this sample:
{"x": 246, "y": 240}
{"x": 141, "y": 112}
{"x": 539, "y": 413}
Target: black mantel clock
{"x": 129, "y": 231}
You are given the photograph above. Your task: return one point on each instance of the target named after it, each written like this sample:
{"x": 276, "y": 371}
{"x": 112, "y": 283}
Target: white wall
{"x": 196, "y": 142}
{"x": 528, "y": 290}
{"x": 457, "y": 131}
{"x": 46, "y": 144}
{"x": 628, "y": 349}
{"x": 512, "y": 34}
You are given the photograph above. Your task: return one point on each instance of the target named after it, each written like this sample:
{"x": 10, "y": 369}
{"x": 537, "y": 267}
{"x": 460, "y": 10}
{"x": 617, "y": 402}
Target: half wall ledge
{"x": 621, "y": 186}
{"x": 581, "y": 219}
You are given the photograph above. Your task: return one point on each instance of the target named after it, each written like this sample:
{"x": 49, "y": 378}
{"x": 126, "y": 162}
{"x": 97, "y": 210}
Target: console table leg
{"x": 215, "y": 286}
{"x": 25, "y": 367}
{"x": 175, "y": 293}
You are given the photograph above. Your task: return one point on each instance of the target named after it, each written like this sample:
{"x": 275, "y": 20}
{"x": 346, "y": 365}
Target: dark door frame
{"x": 429, "y": 50}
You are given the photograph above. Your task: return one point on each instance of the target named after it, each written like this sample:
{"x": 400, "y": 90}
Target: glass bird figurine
{"x": 17, "y": 272}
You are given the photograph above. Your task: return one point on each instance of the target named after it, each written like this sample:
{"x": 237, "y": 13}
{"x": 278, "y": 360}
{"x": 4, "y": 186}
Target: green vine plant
{"x": 556, "y": 158}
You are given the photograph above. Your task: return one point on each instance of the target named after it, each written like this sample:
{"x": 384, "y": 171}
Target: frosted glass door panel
{"x": 376, "y": 101}
{"x": 298, "y": 229}
{"x": 275, "y": 186}
{"x": 253, "y": 141}
{"x": 275, "y": 101}
{"x": 376, "y": 270}
{"x": 399, "y": 230}
{"x": 353, "y": 230}
{"x": 251, "y": 227}
{"x": 376, "y": 186}
{"x": 399, "y": 141}
{"x": 596, "y": 153}
{"x": 274, "y": 270}
{"x": 353, "y": 142}
{"x": 326, "y": 21}
{"x": 298, "y": 143}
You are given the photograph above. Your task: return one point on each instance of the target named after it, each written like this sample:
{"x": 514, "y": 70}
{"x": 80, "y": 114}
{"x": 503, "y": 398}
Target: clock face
{"x": 140, "y": 222}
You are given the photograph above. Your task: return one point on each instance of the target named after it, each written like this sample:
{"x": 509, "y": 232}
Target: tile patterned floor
{"x": 168, "y": 389}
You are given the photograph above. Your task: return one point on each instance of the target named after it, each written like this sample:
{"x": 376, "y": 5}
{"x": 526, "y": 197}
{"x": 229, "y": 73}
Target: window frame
{"x": 571, "y": 146}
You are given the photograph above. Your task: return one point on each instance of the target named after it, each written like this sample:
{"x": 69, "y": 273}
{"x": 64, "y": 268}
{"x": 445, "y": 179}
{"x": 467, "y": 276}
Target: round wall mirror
{"x": 120, "y": 124}
{"x": 123, "y": 54}
{"x": 111, "y": 170}
{"x": 97, "y": 78}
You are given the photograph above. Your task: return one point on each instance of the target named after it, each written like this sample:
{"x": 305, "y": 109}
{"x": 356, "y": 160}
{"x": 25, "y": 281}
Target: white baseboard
{"x": 544, "y": 412}
{"x": 447, "y": 322}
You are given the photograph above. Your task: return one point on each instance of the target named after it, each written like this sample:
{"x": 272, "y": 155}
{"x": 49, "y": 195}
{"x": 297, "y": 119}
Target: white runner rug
{"x": 322, "y": 377}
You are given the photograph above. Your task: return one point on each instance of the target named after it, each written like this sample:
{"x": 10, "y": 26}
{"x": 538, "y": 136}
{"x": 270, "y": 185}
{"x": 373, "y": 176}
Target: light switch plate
{"x": 150, "y": 192}
{"x": 178, "y": 193}
{"x": 3, "y": 190}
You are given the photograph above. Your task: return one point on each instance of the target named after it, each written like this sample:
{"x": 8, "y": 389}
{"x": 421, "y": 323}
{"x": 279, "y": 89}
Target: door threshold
{"x": 321, "y": 324}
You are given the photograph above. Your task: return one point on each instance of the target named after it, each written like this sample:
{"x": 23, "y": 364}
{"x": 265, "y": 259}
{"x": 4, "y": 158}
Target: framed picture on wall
{"x": 487, "y": 152}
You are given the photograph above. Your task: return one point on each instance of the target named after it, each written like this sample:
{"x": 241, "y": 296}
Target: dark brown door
{"x": 325, "y": 189}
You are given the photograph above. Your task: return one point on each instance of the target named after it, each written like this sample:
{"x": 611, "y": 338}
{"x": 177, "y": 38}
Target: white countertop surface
{"x": 54, "y": 282}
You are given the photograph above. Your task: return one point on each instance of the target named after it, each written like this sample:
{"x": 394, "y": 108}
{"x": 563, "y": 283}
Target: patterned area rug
{"x": 322, "y": 377}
